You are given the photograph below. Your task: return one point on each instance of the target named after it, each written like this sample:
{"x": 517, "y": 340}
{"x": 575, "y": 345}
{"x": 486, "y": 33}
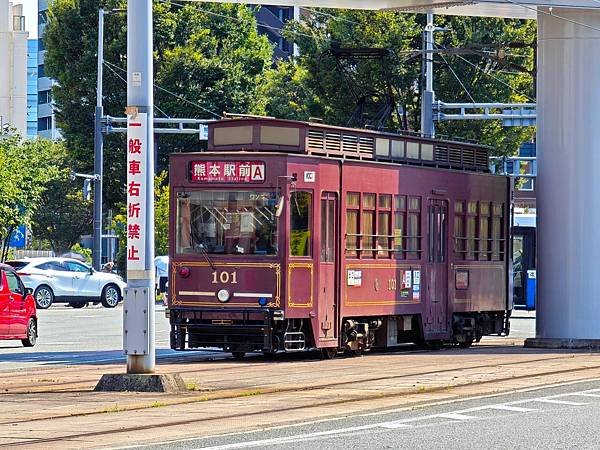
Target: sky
{"x": 30, "y": 11}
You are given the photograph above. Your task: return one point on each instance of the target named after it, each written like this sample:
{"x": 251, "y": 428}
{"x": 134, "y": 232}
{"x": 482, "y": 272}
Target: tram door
{"x": 327, "y": 267}
{"x": 437, "y": 267}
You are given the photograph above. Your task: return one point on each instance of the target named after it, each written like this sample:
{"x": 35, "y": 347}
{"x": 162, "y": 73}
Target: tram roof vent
{"x": 267, "y": 134}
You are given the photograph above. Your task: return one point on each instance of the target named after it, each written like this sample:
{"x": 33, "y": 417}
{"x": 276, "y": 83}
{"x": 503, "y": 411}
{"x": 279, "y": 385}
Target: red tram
{"x": 288, "y": 235}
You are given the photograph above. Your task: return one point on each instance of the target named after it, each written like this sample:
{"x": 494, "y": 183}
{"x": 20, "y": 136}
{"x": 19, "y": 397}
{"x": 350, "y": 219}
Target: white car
{"x": 68, "y": 281}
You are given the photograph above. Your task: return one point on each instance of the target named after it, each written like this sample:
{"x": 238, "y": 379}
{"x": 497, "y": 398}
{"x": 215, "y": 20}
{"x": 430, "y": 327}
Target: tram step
{"x": 294, "y": 341}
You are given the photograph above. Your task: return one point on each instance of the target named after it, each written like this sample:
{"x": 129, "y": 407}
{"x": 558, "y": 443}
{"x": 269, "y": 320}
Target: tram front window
{"x": 227, "y": 222}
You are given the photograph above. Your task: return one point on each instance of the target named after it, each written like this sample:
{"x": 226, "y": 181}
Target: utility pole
{"x": 98, "y": 151}
{"x": 428, "y": 95}
{"x": 138, "y": 311}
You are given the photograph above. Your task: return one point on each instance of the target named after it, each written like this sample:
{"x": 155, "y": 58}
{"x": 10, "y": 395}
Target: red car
{"x": 18, "y": 317}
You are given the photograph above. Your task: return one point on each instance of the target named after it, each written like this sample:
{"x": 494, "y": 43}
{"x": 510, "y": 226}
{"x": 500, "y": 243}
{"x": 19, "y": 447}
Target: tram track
{"x": 66, "y": 437}
{"x": 225, "y": 394}
{"x": 43, "y": 387}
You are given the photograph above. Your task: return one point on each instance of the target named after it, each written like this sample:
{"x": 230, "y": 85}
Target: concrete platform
{"x": 41, "y": 406}
{"x": 124, "y": 382}
{"x": 582, "y": 344}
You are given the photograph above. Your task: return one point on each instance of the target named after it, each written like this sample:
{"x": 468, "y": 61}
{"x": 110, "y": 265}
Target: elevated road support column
{"x": 568, "y": 182}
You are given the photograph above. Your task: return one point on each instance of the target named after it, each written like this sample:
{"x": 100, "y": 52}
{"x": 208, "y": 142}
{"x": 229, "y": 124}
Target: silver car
{"x": 65, "y": 280}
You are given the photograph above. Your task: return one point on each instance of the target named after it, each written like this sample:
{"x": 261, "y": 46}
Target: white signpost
{"x": 137, "y": 170}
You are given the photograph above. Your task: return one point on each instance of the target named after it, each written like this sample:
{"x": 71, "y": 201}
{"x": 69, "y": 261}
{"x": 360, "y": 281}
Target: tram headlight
{"x": 223, "y": 295}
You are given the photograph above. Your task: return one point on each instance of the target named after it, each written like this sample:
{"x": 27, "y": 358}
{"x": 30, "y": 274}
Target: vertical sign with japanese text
{"x": 136, "y": 191}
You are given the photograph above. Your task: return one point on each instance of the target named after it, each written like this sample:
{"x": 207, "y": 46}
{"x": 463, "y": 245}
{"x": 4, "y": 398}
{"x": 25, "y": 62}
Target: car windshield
{"x": 17, "y": 264}
{"x": 227, "y": 222}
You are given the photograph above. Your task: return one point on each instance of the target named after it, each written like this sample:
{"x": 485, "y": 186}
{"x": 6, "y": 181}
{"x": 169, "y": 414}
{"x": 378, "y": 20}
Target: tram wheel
{"x": 329, "y": 352}
{"x": 357, "y": 352}
{"x": 238, "y": 355}
{"x": 466, "y": 344}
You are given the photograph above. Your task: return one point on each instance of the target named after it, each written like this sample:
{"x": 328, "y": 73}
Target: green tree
{"x": 27, "y": 168}
{"x": 161, "y": 222}
{"x": 209, "y": 55}
{"x": 495, "y": 63}
{"x": 64, "y": 215}
{"x": 161, "y": 214}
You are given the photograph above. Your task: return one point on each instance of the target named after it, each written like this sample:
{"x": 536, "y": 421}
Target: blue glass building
{"x": 32, "y": 92}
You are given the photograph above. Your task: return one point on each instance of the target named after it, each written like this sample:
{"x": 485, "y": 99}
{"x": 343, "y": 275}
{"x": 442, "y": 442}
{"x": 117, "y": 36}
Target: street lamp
{"x": 99, "y": 145}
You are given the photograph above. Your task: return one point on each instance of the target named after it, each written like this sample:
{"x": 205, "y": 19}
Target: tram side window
{"x": 352, "y": 210}
{"x": 497, "y": 237}
{"x": 413, "y": 228}
{"x": 471, "y": 230}
{"x": 300, "y": 223}
{"x": 384, "y": 225}
{"x": 459, "y": 229}
{"x": 484, "y": 223}
{"x": 399, "y": 226}
{"x": 368, "y": 226}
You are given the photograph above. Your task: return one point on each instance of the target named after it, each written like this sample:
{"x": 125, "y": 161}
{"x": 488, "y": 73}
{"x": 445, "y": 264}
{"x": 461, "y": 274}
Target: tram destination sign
{"x": 227, "y": 171}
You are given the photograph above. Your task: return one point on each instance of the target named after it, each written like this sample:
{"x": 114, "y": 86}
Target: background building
{"x": 46, "y": 120}
{"x": 271, "y": 19}
{"x": 32, "y": 94}
{"x": 13, "y": 67}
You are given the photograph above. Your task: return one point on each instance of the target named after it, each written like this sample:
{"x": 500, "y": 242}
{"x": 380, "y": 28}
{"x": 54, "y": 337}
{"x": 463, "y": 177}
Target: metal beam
{"x": 512, "y": 114}
{"x": 162, "y": 126}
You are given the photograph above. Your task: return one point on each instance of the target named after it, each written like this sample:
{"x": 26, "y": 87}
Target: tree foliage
{"x": 27, "y": 169}
{"x": 64, "y": 215}
{"x": 493, "y": 58}
{"x": 210, "y": 58}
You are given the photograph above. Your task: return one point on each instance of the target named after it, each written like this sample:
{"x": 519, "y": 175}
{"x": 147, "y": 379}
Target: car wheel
{"x": 110, "y": 296}
{"x": 43, "y": 296}
{"x": 32, "y": 333}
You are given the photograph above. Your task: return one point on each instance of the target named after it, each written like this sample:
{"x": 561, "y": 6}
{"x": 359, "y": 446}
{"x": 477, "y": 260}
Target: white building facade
{"x": 13, "y": 67}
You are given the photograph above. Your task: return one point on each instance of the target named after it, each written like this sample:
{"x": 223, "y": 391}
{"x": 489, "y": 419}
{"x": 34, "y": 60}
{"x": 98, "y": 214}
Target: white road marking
{"x": 390, "y": 425}
{"x": 456, "y": 416}
{"x": 586, "y": 394}
{"x": 288, "y": 439}
{"x": 558, "y": 402}
{"x": 510, "y": 408}
{"x": 393, "y": 425}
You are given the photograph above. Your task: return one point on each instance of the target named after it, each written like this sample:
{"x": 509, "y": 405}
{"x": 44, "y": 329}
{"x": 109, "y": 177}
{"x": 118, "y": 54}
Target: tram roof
{"x": 264, "y": 134}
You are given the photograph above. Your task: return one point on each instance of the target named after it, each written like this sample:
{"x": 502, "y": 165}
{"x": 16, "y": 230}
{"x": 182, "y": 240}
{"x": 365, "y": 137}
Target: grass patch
{"x": 251, "y": 393}
{"x": 113, "y": 409}
{"x": 192, "y": 386}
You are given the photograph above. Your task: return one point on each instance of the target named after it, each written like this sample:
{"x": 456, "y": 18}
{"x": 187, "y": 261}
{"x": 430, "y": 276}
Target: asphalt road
{"x": 556, "y": 417}
{"x": 80, "y": 336}
{"x": 94, "y": 335}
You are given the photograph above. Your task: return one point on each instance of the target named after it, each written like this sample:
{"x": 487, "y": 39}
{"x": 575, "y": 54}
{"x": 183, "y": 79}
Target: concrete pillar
{"x": 140, "y": 85}
{"x": 568, "y": 182}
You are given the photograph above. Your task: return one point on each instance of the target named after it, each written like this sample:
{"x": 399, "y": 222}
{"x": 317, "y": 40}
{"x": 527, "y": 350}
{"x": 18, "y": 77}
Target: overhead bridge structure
{"x": 568, "y": 136}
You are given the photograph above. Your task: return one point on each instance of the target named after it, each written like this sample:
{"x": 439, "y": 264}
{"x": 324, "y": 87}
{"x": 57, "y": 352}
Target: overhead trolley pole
{"x": 138, "y": 310}
{"x": 428, "y": 96}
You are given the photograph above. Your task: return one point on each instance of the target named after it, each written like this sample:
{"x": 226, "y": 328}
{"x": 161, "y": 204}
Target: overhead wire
{"x": 260, "y": 24}
{"x": 458, "y": 78}
{"x": 535, "y": 9}
{"x": 180, "y": 97}
{"x": 488, "y": 74}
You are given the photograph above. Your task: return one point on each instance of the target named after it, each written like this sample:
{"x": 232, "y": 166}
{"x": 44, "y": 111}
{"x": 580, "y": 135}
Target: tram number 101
{"x": 224, "y": 277}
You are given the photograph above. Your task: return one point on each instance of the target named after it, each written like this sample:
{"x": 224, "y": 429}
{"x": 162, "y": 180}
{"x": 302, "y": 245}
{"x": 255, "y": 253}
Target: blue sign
{"x": 18, "y": 238}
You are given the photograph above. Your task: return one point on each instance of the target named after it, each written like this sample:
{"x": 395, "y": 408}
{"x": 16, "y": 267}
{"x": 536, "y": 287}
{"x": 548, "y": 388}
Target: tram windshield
{"x": 227, "y": 222}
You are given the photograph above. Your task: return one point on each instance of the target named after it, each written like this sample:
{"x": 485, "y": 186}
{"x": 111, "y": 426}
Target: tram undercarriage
{"x": 243, "y": 331}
